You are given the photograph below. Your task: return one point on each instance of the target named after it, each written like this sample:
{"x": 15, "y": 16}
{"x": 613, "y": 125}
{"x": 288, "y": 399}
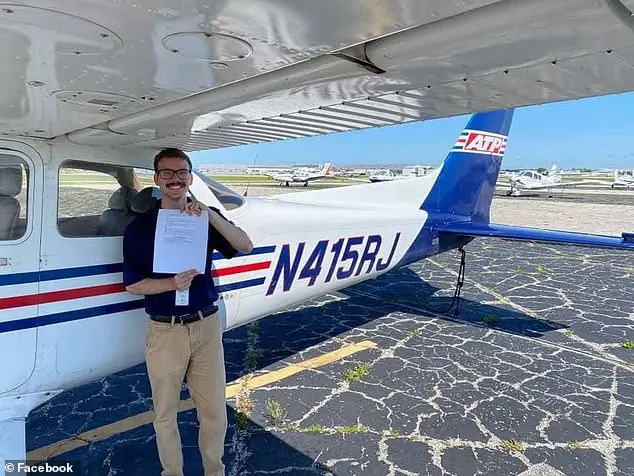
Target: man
{"x": 182, "y": 341}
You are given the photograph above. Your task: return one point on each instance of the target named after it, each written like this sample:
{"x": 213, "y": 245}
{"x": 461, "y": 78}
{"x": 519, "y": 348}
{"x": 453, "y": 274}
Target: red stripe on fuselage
{"x": 66, "y": 294}
{"x": 56, "y": 296}
{"x": 240, "y": 269}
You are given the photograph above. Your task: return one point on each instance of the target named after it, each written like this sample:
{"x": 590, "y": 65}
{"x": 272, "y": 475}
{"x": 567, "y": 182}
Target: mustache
{"x": 175, "y": 183}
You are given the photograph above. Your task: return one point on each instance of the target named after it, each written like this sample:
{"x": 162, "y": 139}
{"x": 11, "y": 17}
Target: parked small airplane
{"x": 626, "y": 181}
{"x": 408, "y": 173}
{"x": 533, "y": 180}
{"x": 301, "y": 176}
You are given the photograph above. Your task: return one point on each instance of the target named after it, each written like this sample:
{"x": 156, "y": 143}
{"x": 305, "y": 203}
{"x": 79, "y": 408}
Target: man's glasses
{"x": 167, "y": 174}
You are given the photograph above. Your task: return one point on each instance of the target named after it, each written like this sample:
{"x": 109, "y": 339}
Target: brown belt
{"x": 185, "y": 318}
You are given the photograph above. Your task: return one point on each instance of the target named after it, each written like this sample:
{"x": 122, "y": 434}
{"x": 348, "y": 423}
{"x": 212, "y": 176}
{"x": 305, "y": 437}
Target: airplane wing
{"x": 492, "y": 230}
{"x": 204, "y": 75}
{"x": 565, "y": 184}
{"x": 310, "y": 178}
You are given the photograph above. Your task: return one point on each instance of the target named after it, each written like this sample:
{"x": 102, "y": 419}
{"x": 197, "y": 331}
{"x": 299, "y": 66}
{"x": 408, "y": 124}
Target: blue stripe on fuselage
{"x": 240, "y": 285}
{"x": 86, "y": 313}
{"x": 69, "y": 316}
{"x": 64, "y": 273}
{"x": 256, "y": 251}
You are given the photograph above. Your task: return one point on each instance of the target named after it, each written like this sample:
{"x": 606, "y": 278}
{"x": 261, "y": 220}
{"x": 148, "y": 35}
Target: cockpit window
{"x": 230, "y": 199}
{"x": 14, "y": 185}
{"x": 97, "y": 199}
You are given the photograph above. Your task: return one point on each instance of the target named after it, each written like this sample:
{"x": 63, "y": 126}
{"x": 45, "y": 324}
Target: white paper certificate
{"x": 180, "y": 242}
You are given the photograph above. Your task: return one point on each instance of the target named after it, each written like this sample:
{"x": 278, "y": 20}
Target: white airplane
{"x": 531, "y": 180}
{"x": 408, "y": 173}
{"x": 90, "y": 94}
{"x": 385, "y": 176}
{"x": 302, "y": 176}
{"x": 626, "y": 181}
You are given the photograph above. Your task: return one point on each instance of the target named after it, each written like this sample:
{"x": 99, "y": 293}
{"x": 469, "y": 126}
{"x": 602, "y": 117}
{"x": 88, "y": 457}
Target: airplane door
{"x": 20, "y": 232}
{"x": 93, "y": 325}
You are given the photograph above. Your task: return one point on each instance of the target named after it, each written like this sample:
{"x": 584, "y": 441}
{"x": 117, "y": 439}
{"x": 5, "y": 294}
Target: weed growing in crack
{"x": 350, "y": 429}
{"x": 541, "y": 269}
{"x": 253, "y": 329}
{"x": 314, "y": 429}
{"x": 244, "y": 403}
{"x": 358, "y": 372}
{"x": 252, "y": 355}
{"x": 576, "y": 445}
{"x": 628, "y": 344}
{"x": 275, "y": 411}
{"x": 413, "y": 333}
{"x": 513, "y": 445}
{"x": 569, "y": 332}
{"x": 305, "y": 429}
{"x": 251, "y": 358}
{"x": 242, "y": 421}
{"x": 491, "y": 319}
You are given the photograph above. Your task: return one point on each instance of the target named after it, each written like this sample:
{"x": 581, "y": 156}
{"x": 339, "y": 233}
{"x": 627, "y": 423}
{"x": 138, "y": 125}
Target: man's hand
{"x": 195, "y": 207}
{"x": 183, "y": 280}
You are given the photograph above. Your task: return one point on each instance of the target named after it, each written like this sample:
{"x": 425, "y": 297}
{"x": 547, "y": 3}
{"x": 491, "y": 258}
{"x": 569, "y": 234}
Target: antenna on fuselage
{"x": 246, "y": 190}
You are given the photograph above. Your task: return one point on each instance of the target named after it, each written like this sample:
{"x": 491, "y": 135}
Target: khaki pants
{"x": 194, "y": 352}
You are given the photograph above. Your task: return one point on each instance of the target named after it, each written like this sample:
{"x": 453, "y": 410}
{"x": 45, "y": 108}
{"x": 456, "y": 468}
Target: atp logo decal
{"x": 481, "y": 142}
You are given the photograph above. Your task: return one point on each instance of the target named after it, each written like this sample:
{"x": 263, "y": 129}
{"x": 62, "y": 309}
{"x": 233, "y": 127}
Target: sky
{"x": 588, "y": 133}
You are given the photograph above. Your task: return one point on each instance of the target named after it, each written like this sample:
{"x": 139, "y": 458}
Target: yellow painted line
{"x": 146, "y": 418}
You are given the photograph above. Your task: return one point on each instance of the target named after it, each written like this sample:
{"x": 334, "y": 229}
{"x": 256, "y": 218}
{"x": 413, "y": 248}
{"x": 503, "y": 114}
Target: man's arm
{"x": 149, "y": 286}
{"x": 235, "y": 235}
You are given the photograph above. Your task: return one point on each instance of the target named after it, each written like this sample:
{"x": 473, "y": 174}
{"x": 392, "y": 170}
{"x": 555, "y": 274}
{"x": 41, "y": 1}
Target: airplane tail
{"x": 326, "y": 169}
{"x": 466, "y": 179}
{"x": 465, "y": 185}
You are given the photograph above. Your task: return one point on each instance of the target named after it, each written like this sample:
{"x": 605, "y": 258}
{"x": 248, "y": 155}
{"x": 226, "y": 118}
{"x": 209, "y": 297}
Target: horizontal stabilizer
{"x": 492, "y": 230}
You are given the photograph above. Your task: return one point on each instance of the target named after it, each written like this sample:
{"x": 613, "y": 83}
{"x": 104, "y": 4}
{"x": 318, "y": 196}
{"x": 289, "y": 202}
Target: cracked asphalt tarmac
{"x": 532, "y": 377}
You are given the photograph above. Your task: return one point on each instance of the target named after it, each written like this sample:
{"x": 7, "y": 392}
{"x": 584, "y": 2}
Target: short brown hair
{"x": 171, "y": 152}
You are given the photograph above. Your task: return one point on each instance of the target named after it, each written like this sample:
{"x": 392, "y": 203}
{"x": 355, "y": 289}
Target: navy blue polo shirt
{"x": 138, "y": 259}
